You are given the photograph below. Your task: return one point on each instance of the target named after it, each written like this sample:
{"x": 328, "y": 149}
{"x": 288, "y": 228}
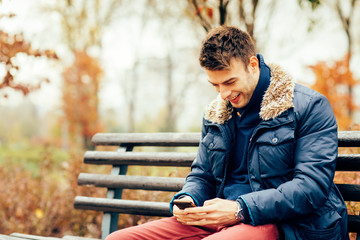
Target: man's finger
{"x": 199, "y": 210}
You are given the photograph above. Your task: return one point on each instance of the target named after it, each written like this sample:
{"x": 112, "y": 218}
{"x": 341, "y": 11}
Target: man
{"x": 266, "y": 159}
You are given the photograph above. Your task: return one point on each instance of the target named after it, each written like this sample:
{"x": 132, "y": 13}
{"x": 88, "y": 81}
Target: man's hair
{"x": 224, "y": 43}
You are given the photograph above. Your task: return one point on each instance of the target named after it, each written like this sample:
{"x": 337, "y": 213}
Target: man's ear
{"x": 253, "y": 63}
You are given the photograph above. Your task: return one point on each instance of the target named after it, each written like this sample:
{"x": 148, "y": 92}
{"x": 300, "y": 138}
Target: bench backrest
{"x": 121, "y": 159}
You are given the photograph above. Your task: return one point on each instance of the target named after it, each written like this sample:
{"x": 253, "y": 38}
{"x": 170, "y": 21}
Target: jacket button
{"x": 211, "y": 145}
{"x": 275, "y": 140}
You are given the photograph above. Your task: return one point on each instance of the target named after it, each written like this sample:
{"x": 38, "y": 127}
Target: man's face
{"x": 238, "y": 83}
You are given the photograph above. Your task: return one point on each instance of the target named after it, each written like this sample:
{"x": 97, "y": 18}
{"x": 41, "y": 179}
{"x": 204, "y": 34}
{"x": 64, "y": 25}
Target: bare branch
{"x": 205, "y": 24}
{"x": 223, "y": 11}
{"x": 244, "y": 17}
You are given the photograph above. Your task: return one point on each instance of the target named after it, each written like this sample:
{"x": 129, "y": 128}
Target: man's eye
{"x": 229, "y": 83}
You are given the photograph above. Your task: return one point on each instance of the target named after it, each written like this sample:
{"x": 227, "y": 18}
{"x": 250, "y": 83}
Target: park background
{"x": 72, "y": 68}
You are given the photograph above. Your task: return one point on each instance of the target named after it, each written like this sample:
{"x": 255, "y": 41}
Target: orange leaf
{"x": 210, "y": 12}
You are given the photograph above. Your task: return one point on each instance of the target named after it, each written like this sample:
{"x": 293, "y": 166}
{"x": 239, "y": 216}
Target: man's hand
{"x": 215, "y": 212}
{"x": 178, "y": 213}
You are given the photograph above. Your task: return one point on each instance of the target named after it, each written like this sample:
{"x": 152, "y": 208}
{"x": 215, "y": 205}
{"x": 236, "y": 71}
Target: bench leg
{"x": 109, "y": 224}
{"x": 110, "y": 220}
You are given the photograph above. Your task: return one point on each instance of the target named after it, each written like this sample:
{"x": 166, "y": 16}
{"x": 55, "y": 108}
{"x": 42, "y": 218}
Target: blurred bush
{"x": 36, "y": 197}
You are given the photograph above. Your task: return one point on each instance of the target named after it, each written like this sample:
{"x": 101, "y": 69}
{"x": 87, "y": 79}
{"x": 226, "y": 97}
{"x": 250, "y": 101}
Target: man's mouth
{"x": 234, "y": 99}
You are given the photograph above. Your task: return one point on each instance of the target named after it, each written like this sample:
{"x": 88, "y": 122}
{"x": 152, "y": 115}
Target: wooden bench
{"x": 124, "y": 156}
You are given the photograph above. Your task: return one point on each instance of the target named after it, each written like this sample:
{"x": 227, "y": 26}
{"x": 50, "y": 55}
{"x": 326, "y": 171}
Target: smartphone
{"x": 183, "y": 203}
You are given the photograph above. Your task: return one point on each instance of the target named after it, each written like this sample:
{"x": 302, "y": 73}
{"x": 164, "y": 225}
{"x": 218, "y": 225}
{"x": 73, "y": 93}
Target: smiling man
{"x": 266, "y": 160}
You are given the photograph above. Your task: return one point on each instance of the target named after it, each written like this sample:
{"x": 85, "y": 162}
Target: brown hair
{"x": 224, "y": 43}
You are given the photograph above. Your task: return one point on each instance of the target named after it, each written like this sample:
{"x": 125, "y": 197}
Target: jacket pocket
{"x": 215, "y": 154}
{"x": 322, "y": 224}
{"x": 332, "y": 233}
{"x": 213, "y": 141}
{"x": 276, "y": 152}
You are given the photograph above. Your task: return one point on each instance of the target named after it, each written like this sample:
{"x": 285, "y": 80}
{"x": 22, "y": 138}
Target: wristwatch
{"x": 239, "y": 214}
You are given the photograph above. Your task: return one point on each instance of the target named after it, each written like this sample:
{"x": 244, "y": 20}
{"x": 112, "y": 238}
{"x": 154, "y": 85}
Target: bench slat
{"x": 70, "y": 237}
{"x": 9, "y": 237}
{"x": 147, "y": 139}
{"x": 348, "y": 162}
{"x": 349, "y": 138}
{"x": 354, "y": 223}
{"x": 145, "y": 208}
{"x": 346, "y": 139}
{"x": 179, "y": 159}
{"x": 350, "y": 192}
{"x": 32, "y": 237}
{"x": 172, "y": 184}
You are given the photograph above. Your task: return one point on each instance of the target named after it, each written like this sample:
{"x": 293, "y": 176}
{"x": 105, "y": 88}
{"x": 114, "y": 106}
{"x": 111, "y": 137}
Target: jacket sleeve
{"x": 315, "y": 158}
{"x": 200, "y": 183}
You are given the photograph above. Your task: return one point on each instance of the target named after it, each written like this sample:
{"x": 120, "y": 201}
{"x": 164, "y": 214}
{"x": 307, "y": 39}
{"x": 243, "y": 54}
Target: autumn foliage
{"x": 336, "y": 82}
{"x": 80, "y": 97}
{"x": 10, "y": 46}
{"x": 39, "y": 201}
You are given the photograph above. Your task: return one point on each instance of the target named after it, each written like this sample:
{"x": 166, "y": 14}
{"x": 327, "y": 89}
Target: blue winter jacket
{"x": 291, "y": 161}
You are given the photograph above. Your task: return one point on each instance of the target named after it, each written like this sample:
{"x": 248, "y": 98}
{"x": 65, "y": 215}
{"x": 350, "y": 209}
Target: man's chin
{"x": 237, "y": 105}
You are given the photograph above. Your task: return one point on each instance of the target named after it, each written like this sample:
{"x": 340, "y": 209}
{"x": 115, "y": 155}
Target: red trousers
{"x": 170, "y": 228}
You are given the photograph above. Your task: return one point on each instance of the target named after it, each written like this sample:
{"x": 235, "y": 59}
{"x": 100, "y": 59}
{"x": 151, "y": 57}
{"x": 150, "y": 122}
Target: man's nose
{"x": 224, "y": 92}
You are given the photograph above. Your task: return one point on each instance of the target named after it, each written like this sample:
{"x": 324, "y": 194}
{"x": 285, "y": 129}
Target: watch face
{"x": 239, "y": 215}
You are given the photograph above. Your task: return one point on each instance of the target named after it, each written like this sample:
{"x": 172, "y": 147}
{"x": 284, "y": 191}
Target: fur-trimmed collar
{"x": 277, "y": 99}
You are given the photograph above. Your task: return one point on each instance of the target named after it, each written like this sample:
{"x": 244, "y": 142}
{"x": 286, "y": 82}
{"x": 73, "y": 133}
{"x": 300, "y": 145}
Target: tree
{"x": 346, "y": 13}
{"x": 346, "y": 21}
{"x": 242, "y": 13}
{"x": 84, "y": 21}
{"x": 10, "y": 47}
{"x": 83, "y": 25}
{"x": 80, "y": 99}
{"x": 205, "y": 11}
{"x": 130, "y": 83}
{"x": 334, "y": 81}
{"x": 170, "y": 14}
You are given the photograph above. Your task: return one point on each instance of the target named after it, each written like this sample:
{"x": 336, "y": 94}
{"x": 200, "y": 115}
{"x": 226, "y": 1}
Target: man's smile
{"x": 234, "y": 99}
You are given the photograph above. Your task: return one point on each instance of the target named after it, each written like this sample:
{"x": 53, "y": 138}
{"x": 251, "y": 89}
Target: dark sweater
{"x": 238, "y": 180}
